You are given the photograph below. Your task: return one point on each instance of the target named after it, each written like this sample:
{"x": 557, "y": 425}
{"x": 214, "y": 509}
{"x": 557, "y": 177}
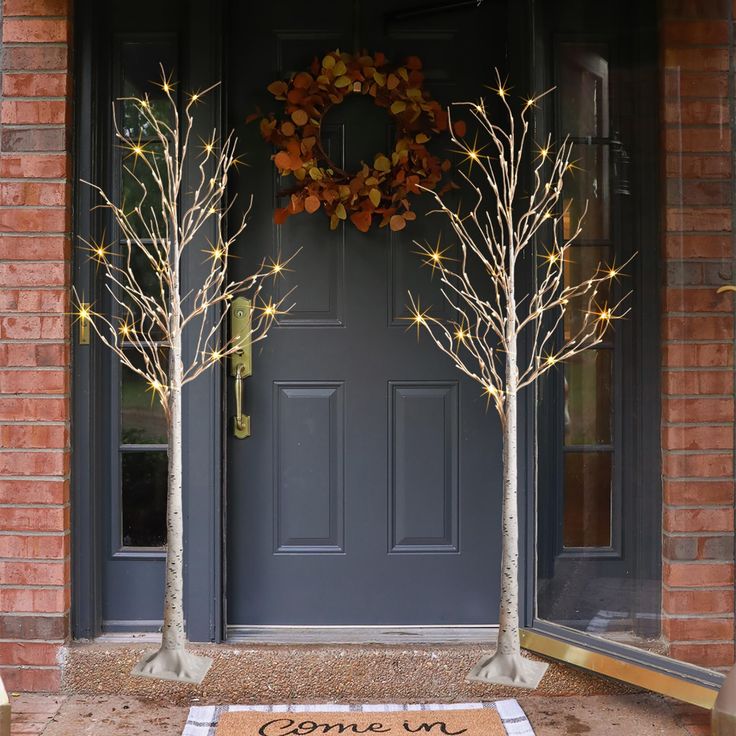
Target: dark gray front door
{"x": 369, "y": 491}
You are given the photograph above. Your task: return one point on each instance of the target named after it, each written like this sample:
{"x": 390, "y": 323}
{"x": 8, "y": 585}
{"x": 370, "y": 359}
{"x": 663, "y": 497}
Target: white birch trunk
{"x": 173, "y": 636}
{"x": 172, "y": 661}
{"x": 508, "y": 633}
{"x": 507, "y": 666}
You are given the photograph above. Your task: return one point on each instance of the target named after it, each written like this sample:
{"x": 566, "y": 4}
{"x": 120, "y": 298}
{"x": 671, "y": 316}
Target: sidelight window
{"x": 142, "y": 437}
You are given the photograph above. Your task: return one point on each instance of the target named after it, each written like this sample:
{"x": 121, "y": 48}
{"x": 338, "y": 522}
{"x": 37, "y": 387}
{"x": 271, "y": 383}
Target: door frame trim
{"x": 200, "y": 61}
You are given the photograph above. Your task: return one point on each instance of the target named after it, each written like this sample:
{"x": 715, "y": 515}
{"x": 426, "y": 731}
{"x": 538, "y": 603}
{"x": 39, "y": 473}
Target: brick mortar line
{"x": 58, "y": 126}
{"x": 697, "y": 369}
{"x": 36, "y": 368}
{"x": 701, "y": 642}
{"x": 23, "y": 667}
{"x": 686, "y": 588}
{"x": 678, "y": 314}
{"x": 47, "y": 395}
{"x": 36, "y": 98}
{"x": 36, "y": 44}
{"x": 10, "y": 586}
{"x": 689, "y": 397}
{"x": 697, "y": 535}
{"x": 695, "y": 563}
{"x": 32, "y": 234}
{"x": 38, "y": 17}
{"x": 692, "y": 126}
{"x": 32, "y": 423}
{"x": 55, "y": 588}
{"x": 697, "y": 206}
{"x": 699, "y": 479}
{"x": 698, "y": 154}
{"x": 688, "y": 453}
{"x": 699, "y": 507}
{"x": 15, "y": 533}
{"x": 697, "y": 616}
{"x": 37, "y": 180}
{"x": 695, "y": 98}
{"x": 40, "y": 614}
{"x": 19, "y": 505}
{"x": 695, "y": 342}
{"x": 685, "y": 425}
{"x": 30, "y": 207}
{"x": 14, "y": 505}
{"x": 60, "y": 642}
{"x": 40, "y": 70}
{"x": 35, "y": 560}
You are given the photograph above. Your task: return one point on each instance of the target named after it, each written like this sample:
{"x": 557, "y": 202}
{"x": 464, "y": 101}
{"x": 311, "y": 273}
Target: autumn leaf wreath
{"x": 381, "y": 188}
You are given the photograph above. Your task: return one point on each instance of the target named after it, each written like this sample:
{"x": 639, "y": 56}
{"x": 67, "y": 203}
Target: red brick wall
{"x": 698, "y": 334}
{"x": 34, "y": 341}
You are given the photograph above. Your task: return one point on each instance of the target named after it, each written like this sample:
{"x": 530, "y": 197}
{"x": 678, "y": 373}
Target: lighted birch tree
{"x": 505, "y": 223}
{"x": 151, "y": 316}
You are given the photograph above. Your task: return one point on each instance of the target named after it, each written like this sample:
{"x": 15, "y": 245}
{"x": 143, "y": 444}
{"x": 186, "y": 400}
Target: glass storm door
{"x": 599, "y": 489}
{"x": 369, "y": 489}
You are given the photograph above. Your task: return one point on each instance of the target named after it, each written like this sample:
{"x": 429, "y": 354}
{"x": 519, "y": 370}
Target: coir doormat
{"x": 500, "y": 718}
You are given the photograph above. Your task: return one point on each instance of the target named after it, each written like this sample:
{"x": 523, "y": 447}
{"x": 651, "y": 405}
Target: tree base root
{"x": 508, "y": 669}
{"x": 173, "y": 664}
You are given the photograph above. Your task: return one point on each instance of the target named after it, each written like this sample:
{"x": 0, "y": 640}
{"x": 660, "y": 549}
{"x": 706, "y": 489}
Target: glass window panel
{"x": 580, "y": 263}
{"x": 583, "y": 85}
{"x": 141, "y": 76}
{"x": 587, "y": 515}
{"x": 145, "y": 275}
{"x": 144, "y": 498}
{"x": 140, "y": 189}
{"x": 142, "y": 418}
{"x": 588, "y": 398}
{"x": 586, "y": 196}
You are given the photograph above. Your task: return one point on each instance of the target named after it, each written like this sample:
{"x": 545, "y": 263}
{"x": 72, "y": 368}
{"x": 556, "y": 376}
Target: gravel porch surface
{"x": 596, "y": 715}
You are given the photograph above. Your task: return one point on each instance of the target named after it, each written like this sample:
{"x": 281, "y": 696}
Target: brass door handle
{"x": 727, "y": 287}
{"x": 241, "y": 426}
{"x": 240, "y": 362}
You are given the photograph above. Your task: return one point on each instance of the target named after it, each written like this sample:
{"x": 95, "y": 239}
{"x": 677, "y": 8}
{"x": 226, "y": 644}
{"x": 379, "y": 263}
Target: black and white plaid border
{"x": 203, "y": 719}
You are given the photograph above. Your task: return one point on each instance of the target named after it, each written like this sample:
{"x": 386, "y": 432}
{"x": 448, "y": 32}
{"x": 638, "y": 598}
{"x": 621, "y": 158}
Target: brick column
{"x": 35, "y": 201}
{"x": 698, "y": 334}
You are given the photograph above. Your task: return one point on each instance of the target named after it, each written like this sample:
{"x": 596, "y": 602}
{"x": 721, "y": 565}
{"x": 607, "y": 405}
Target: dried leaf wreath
{"x": 381, "y": 187}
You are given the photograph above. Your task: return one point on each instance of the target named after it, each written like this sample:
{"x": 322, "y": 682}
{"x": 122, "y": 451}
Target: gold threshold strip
{"x": 605, "y": 664}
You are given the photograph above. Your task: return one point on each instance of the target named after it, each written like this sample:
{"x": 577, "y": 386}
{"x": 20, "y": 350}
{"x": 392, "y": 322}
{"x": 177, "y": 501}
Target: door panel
{"x": 369, "y": 491}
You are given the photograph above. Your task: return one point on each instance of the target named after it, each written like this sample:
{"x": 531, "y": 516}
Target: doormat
{"x": 499, "y": 718}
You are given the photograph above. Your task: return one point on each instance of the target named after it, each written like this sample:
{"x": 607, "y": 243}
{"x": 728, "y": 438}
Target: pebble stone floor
{"x": 596, "y": 715}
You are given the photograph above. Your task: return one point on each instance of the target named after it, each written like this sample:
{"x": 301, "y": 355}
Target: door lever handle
{"x": 241, "y": 426}
{"x": 727, "y": 287}
{"x": 240, "y": 362}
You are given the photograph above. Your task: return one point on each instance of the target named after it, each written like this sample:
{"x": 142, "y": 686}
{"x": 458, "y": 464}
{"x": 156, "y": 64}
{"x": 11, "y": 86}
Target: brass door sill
{"x": 629, "y": 672}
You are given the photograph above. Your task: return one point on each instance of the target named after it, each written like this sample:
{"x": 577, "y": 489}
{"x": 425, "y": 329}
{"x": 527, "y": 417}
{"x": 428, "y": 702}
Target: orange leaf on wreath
{"x": 397, "y": 223}
{"x": 303, "y": 80}
{"x": 361, "y": 220}
{"x": 282, "y": 160}
{"x": 311, "y": 204}
{"x": 300, "y": 117}
{"x": 414, "y": 62}
{"x": 297, "y": 204}
{"x": 278, "y": 88}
